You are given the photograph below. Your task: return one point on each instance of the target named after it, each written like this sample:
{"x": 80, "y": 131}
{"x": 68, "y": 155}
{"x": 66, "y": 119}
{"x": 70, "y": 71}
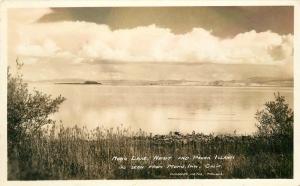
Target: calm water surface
{"x": 161, "y": 109}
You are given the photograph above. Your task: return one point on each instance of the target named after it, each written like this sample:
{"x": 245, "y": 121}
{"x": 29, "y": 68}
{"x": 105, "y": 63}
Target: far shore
{"x": 288, "y": 83}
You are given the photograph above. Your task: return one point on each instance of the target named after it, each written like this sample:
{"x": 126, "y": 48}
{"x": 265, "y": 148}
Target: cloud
{"x": 17, "y": 19}
{"x": 83, "y": 41}
{"x": 47, "y": 48}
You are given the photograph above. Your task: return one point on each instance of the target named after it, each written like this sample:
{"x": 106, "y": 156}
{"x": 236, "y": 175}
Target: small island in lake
{"x": 82, "y": 83}
{"x": 91, "y": 82}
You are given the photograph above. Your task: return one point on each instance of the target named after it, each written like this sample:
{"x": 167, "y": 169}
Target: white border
{"x": 142, "y": 3}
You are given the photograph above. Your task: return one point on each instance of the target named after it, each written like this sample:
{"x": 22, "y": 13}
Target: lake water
{"x": 159, "y": 109}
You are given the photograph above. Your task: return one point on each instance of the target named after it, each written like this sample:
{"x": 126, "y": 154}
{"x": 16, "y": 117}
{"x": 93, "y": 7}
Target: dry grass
{"x": 77, "y": 153}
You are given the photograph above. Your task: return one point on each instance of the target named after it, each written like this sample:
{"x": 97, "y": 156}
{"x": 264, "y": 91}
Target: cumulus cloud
{"x": 83, "y": 41}
{"x": 17, "y": 19}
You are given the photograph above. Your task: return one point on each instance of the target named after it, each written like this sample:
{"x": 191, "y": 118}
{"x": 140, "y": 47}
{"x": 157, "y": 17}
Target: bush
{"x": 26, "y": 111}
{"x": 276, "y": 118}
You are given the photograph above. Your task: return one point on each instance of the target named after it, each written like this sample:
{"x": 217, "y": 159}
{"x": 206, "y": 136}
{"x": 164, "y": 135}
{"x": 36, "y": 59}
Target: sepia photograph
{"x": 150, "y": 92}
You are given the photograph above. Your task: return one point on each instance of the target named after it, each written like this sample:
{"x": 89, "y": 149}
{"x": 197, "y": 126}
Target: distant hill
{"x": 249, "y": 82}
{"x": 256, "y": 81}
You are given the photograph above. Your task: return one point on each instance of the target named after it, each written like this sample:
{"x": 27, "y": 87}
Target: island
{"x": 82, "y": 83}
{"x": 91, "y": 82}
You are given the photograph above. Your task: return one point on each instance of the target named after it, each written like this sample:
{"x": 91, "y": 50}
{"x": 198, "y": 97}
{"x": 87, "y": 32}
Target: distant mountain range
{"x": 249, "y": 82}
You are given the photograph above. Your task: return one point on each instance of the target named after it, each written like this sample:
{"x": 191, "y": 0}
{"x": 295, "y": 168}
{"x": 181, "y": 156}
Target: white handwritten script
{"x": 194, "y": 165}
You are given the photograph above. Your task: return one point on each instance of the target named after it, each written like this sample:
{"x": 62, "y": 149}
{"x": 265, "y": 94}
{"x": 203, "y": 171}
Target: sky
{"x": 146, "y": 43}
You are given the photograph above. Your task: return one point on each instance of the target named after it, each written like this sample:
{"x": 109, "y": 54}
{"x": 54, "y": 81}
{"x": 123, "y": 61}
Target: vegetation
{"x": 27, "y": 112}
{"x": 276, "y": 119}
{"x": 76, "y": 153}
{"x": 38, "y": 150}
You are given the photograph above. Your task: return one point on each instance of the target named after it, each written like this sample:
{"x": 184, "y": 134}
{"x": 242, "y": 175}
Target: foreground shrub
{"x": 27, "y": 112}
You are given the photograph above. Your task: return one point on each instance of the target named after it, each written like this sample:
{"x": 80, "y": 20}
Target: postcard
{"x": 149, "y": 92}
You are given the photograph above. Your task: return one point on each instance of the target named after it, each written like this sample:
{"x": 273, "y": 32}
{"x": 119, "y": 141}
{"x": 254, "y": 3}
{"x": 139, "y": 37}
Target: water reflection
{"x": 161, "y": 109}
